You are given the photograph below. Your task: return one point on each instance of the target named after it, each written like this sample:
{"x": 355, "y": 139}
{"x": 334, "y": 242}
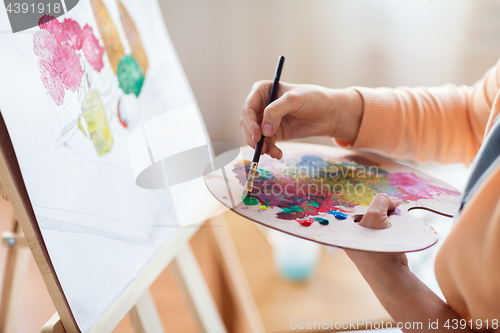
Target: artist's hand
{"x": 377, "y": 217}
{"x": 299, "y": 111}
{"x": 403, "y": 295}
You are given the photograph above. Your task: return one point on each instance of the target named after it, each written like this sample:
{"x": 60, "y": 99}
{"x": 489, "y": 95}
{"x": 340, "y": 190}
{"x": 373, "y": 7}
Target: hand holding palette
{"x": 320, "y": 193}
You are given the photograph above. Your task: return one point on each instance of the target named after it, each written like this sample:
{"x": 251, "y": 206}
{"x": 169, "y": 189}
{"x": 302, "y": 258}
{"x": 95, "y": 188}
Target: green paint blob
{"x": 322, "y": 220}
{"x": 264, "y": 173}
{"x": 292, "y": 209}
{"x": 250, "y": 201}
{"x": 314, "y": 203}
{"x": 130, "y": 75}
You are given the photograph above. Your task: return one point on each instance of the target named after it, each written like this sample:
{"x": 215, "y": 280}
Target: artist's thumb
{"x": 376, "y": 216}
{"x": 288, "y": 103}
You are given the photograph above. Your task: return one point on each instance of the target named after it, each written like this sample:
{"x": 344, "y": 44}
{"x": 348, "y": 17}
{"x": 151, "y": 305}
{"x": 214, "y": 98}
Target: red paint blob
{"x": 306, "y": 223}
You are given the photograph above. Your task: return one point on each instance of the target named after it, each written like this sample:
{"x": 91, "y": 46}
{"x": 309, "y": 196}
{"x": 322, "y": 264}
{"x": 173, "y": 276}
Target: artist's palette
{"x": 320, "y": 193}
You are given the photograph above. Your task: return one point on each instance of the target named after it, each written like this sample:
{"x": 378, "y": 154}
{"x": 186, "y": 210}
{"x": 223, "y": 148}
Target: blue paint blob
{"x": 338, "y": 215}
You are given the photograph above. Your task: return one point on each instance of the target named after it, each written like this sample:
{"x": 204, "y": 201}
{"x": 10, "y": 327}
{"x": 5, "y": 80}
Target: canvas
{"x": 71, "y": 91}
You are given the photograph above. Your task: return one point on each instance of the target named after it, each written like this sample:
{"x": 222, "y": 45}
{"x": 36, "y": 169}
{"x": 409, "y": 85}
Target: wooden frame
{"x": 14, "y": 185}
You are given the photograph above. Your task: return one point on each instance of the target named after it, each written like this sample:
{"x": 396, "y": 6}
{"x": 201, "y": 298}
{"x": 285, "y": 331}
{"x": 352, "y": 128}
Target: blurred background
{"x": 227, "y": 45}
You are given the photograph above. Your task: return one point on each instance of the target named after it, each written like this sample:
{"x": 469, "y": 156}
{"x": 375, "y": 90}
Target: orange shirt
{"x": 448, "y": 124}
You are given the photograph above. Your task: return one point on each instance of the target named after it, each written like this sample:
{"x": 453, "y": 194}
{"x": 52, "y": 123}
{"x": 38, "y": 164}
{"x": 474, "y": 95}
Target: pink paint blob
{"x": 66, "y": 64}
{"x": 51, "y": 81}
{"x": 91, "y": 49}
{"x": 44, "y": 44}
{"x": 412, "y": 188}
{"x": 71, "y": 33}
{"x": 50, "y": 24}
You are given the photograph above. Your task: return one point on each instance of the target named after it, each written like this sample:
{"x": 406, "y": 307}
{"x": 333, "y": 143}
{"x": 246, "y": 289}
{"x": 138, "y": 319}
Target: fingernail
{"x": 267, "y": 129}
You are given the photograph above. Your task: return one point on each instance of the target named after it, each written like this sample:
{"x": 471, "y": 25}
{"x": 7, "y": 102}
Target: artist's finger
{"x": 376, "y": 216}
{"x": 254, "y": 107}
{"x": 272, "y": 149}
{"x": 289, "y": 103}
{"x": 275, "y": 152}
{"x": 249, "y": 120}
{"x": 246, "y": 135}
{"x": 265, "y": 147}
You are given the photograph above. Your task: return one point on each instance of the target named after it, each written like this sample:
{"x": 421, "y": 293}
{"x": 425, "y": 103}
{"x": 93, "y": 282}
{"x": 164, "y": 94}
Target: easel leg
{"x": 16, "y": 266}
{"x": 144, "y": 315}
{"x": 234, "y": 276}
{"x": 189, "y": 276}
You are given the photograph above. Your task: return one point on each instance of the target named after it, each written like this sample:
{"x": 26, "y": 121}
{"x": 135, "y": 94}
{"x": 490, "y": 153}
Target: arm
{"x": 401, "y": 293}
{"x": 444, "y": 124}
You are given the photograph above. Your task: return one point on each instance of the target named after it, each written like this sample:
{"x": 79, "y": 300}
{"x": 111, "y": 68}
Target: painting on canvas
{"x": 72, "y": 89}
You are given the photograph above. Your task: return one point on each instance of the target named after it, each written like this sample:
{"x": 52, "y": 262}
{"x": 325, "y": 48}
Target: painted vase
{"x": 97, "y": 122}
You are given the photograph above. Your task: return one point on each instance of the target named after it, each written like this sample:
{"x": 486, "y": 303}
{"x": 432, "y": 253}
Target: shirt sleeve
{"x": 444, "y": 124}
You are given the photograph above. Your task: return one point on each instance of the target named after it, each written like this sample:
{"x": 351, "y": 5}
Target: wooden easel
{"x": 16, "y": 264}
{"x": 143, "y": 314}
{"x": 136, "y": 299}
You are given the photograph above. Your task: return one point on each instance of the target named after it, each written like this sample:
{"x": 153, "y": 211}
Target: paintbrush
{"x": 258, "y": 148}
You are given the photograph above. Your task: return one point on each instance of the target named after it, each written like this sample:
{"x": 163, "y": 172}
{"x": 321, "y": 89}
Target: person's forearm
{"x": 404, "y": 296}
{"x": 349, "y": 112}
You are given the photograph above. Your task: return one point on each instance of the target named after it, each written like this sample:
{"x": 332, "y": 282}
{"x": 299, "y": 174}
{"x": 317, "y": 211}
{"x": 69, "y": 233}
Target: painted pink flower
{"x": 44, "y": 44}
{"x": 67, "y": 65}
{"x": 91, "y": 49}
{"x": 71, "y": 33}
{"x": 59, "y": 63}
{"x": 50, "y": 24}
{"x": 51, "y": 80}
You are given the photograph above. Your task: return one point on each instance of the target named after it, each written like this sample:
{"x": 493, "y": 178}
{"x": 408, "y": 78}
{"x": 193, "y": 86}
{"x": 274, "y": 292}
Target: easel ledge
{"x": 54, "y": 325}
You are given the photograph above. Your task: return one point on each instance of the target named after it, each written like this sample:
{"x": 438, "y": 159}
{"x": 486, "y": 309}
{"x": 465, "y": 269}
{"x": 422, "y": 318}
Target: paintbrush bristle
{"x": 251, "y": 177}
{"x": 249, "y": 186}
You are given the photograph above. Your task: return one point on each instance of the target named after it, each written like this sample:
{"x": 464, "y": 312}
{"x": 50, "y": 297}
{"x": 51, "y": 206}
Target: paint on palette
{"x": 250, "y": 201}
{"x": 338, "y": 215}
{"x": 322, "y": 221}
{"x": 306, "y": 187}
{"x": 265, "y": 205}
{"x": 306, "y": 222}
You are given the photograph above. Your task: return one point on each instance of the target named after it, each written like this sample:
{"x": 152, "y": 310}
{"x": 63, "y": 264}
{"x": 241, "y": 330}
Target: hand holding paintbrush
{"x": 300, "y": 111}
{"x": 258, "y": 148}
